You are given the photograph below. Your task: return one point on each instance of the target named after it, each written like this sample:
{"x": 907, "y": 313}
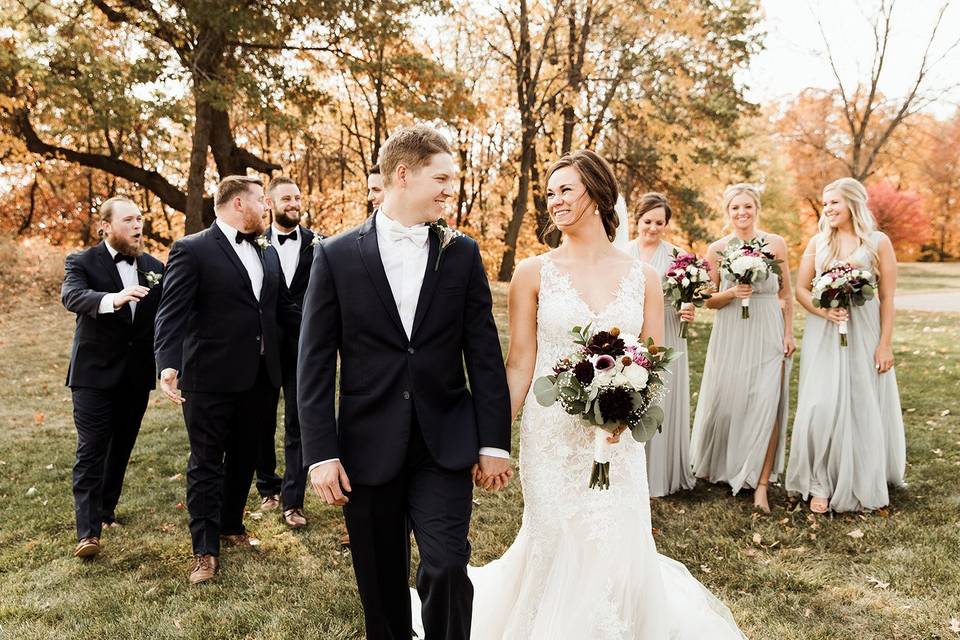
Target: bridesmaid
{"x": 848, "y": 441}
{"x": 740, "y": 425}
{"x": 668, "y": 457}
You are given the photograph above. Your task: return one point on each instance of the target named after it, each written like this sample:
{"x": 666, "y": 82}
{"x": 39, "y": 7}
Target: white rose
{"x": 637, "y": 376}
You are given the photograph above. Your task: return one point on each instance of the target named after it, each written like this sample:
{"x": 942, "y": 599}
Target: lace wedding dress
{"x": 584, "y": 564}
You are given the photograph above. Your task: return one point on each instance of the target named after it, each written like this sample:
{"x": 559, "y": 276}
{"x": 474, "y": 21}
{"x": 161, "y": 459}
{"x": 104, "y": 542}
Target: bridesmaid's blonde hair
{"x": 854, "y": 196}
{"x": 735, "y": 190}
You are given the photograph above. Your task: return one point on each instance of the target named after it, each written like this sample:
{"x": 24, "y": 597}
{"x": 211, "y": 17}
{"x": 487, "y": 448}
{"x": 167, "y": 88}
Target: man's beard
{"x": 284, "y": 219}
{"x": 124, "y": 246}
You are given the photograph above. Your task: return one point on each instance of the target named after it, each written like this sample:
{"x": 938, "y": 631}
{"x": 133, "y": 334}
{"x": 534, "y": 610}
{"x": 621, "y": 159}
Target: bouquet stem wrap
{"x": 843, "y": 333}
{"x": 744, "y": 307}
{"x": 683, "y": 323}
{"x": 600, "y": 474}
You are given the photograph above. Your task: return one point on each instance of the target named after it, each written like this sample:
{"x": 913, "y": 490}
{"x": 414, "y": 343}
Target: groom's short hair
{"x": 232, "y": 186}
{"x": 106, "y": 209}
{"x": 412, "y": 147}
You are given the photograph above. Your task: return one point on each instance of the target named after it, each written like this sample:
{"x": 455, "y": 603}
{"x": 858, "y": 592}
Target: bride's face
{"x": 652, "y": 224}
{"x": 568, "y": 202}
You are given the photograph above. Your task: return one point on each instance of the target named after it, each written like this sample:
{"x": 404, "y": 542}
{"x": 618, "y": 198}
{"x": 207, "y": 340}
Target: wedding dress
{"x": 584, "y": 563}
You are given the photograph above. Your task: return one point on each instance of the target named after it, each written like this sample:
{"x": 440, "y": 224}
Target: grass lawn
{"x": 919, "y": 277}
{"x": 786, "y": 575}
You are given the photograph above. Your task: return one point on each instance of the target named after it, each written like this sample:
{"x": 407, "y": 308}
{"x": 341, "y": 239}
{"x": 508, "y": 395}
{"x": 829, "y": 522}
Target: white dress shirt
{"x": 289, "y": 252}
{"x": 128, "y": 276}
{"x": 248, "y": 255}
{"x": 404, "y": 252}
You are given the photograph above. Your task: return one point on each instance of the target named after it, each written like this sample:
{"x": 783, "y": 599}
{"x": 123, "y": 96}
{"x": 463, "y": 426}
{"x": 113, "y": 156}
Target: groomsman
{"x": 375, "y": 187}
{"x": 218, "y": 339}
{"x": 114, "y": 289}
{"x": 294, "y": 244}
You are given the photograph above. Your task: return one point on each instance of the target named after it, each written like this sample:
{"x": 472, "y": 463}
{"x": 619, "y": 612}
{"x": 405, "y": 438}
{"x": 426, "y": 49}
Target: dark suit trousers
{"x": 435, "y": 504}
{"x": 107, "y": 421}
{"x": 222, "y": 430}
{"x": 291, "y": 488}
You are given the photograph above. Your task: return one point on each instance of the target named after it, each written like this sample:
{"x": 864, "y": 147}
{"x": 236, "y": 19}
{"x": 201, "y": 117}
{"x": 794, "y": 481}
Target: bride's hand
{"x": 614, "y": 437}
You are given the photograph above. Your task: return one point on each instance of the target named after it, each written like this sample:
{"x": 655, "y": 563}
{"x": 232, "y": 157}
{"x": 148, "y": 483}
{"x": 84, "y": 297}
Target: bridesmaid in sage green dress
{"x": 848, "y": 442}
{"x": 740, "y": 425}
{"x": 668, "y": 452}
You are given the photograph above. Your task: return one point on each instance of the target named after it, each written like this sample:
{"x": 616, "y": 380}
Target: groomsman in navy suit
{"x": 294, "y": 244}
{"x": 218, "y": 340}
{"x": 114, "y": 289}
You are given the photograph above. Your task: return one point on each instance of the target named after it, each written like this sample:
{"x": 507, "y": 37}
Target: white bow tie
{"x": 417, "y": 235}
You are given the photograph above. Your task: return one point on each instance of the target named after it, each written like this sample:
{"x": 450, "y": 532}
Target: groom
{"x": 405, "y": 315}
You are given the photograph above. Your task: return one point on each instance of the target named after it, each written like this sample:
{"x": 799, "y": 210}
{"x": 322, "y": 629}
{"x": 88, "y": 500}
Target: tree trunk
{"x": 196, "y": 180}
{"x": 519, "y": 207}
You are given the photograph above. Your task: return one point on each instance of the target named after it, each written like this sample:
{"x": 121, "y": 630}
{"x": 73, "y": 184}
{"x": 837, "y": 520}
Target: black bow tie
{"x": 118, "y": 258}
{"x": 249, "y": 237}
{"x": 283, "y": 237}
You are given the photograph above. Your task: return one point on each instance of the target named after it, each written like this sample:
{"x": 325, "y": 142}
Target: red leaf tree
{"x": 901, "y": 215}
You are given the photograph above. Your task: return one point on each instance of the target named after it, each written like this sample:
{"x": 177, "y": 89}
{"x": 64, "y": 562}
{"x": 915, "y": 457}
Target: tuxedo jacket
{"x": 349, "y": 310}
{"x": 113, "y": 347}
{"x": 210, "y": 326}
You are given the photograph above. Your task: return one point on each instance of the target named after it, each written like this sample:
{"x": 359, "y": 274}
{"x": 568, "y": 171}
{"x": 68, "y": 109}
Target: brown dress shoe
{"x": 204, "y": 568}
{"x": 294, "y": 518}
{"x": 87, "y": 547}
{"x": 269, "y": 503}
{"x": 241, "y": 540}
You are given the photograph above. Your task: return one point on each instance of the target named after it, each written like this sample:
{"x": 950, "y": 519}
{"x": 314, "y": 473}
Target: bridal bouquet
{"x": 611, "y": 379}
{"x": 843, "y": 286}
{"x": 747, "y": 263}
{"x": 685, "y": 282}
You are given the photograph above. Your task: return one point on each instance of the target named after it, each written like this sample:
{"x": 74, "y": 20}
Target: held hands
{"x": 330, "y": 481}
{"x": 883, "y": 358}
{"x": 129, "y": 294}
{"x": 688, "y": 312}
{"x": 836, "y": 315}
{"x": 492, "y": 473}
{"x": 168, "y": 384}
{"x": 742, "y": 291}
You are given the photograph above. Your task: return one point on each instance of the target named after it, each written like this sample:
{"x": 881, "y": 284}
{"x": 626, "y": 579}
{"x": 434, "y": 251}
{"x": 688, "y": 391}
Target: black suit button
{"x": 257, "y": 338}
{"x": 411, "y": 350}
{"x": 406, "y": 395}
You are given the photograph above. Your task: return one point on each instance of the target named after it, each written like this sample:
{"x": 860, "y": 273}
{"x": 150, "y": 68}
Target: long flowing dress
{"x": 668, "y": 452}
{"x": 848, "y": 440}
{"x": 584, "y": 563}
{"x": 744, "y": 392}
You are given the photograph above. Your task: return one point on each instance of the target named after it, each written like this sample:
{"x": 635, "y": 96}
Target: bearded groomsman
{"x": 294, "y": 244}
{"x": 114, "y": 289}
{"x": 218, "y": 339}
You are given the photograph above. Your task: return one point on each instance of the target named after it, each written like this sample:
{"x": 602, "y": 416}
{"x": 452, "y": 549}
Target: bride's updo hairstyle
{"x": 600, "y": 183}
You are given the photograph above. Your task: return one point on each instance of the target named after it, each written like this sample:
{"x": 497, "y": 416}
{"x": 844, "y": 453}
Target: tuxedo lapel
{"x": 306, "y": 257}
{"x": 370, "y": 256}
{"x": 429, "y": 285}
{"x": 234, "y": 259}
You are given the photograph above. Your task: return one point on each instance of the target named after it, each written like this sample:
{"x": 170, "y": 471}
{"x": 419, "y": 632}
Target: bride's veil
{"x": 622, "y": 241}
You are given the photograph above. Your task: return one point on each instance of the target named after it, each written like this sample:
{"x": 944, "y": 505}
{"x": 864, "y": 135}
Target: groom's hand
{"x": 329, "y": 481}
{"x": 492, "y": 473}
{"x": 168, "y": 384}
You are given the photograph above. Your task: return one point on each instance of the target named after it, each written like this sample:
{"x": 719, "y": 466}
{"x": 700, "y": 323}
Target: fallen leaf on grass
{"x": 878, "y": 583}
{"x": 256, "y": 515}
{"x": 180, "y": 506}
{"x": 705, "y": 568}
{"x": 32, "y": 491}
{"x": 175, "y": 477}
{"x": 954, "y": 625}
{"x": 751, "y": 552}
{"x": 757, "y": 538}
{"x": 856, "y": 533}
{"x": 49, "y": 467}
{"x": 38, "y": 418}
{"x": 945, "y": 413}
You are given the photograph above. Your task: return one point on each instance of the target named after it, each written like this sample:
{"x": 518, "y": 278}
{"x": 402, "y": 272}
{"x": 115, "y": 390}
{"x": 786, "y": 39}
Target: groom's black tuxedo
{"x": 408, "y": 429}
{"x": 225, "y": 344}
{"x": 111, "y": 374}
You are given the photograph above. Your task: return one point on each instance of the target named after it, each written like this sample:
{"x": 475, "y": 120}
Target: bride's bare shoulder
{"x": 526, "y": 275}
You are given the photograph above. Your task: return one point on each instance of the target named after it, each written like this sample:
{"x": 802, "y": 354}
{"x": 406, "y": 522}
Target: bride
{"x": 584, "y": 564}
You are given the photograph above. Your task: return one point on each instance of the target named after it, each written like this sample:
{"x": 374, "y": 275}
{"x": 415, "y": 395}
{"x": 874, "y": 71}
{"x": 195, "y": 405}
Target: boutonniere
{"x": 152, "y": 277}
{"x": 446, "y": 235}
{"x": 262, "y": 243}
{"x": 317, "y": 237}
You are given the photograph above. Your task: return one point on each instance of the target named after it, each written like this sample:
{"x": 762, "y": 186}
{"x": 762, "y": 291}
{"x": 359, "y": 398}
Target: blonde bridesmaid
{"x": 848, "y": 441}
{"x": 740, "y": 424}
{"x": 668, "y": 453}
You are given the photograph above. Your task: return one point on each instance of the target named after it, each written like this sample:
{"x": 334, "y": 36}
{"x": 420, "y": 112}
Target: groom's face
{"x": 252, "y": 215}
{"x": 124, "y": 229}
{"x": 430, "y": 188}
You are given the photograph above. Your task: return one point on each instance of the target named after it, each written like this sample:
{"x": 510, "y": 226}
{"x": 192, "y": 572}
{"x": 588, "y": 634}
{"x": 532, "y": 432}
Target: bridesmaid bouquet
{"x": 611, "y": 379}
{"x": 841, "y": 287}
{"x": 747, "y": 263}
{"x": 686, "y": 281}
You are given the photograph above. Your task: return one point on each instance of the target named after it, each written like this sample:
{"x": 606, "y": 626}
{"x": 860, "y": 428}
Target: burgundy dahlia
{"x": 615, "y": 404}
{"x": 605, "y": 343}
{"x": 583, "y": 371}
{"x": 605, "y": 362}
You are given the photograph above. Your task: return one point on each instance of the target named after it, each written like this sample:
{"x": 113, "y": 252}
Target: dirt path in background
{"x": 943, "y": 301}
